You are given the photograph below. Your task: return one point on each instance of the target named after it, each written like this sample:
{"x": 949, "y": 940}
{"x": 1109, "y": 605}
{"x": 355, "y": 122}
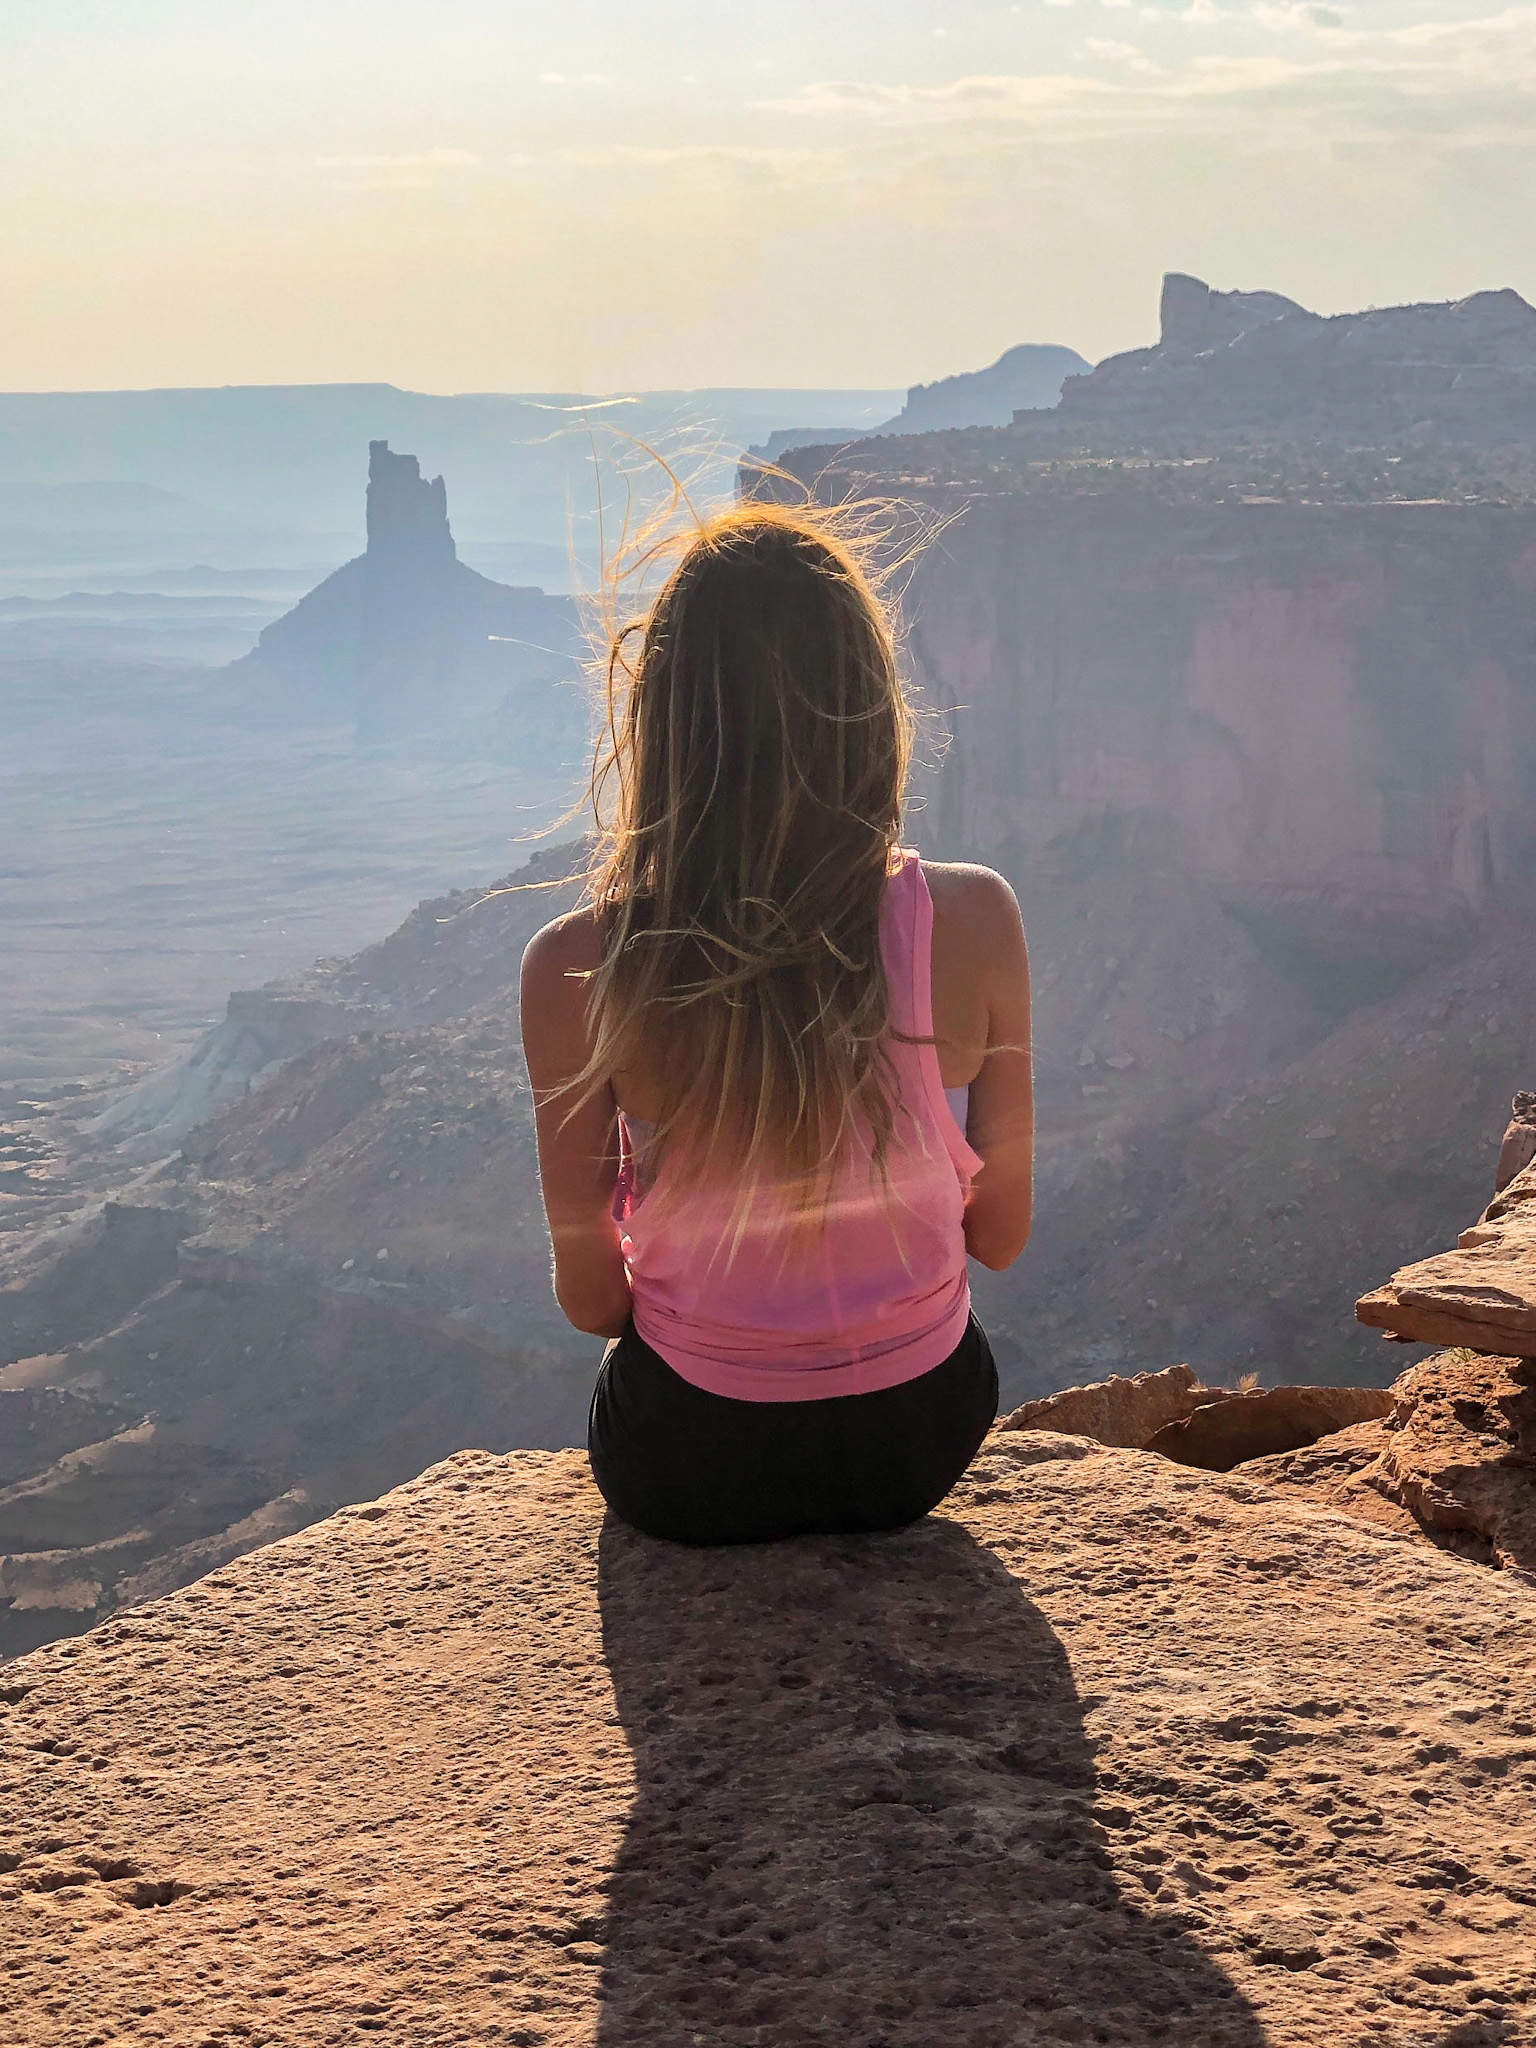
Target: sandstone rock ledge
{"x": 1107, "y": 1751}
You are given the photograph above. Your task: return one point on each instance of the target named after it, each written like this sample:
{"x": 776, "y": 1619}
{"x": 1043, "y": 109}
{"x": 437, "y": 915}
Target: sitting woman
{"x": 780, "y": 1068}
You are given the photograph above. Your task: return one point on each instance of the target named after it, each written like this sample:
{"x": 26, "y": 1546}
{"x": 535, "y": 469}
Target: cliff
{"x": 407, "y": 640}
{"x": 1327, "y": 711}
{"x": 1254, "y": 738}
{"x": 1108, "y": 1751}
{"x": 1028, "y": 376}
{"x": 1257, "y": 363}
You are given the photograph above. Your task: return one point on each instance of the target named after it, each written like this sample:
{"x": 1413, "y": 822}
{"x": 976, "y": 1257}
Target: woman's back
{"x": 739, "y": 1058}
{"x": 974, "y": 1005}
{"x": 866, "y": 1291}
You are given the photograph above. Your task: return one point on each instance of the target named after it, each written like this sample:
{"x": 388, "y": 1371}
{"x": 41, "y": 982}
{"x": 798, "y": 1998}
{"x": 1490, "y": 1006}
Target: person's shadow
{"x": 864, "y": 1813}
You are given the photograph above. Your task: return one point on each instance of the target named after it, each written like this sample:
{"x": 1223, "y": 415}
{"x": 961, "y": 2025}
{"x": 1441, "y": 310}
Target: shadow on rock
{"x": 864, "y": 1813}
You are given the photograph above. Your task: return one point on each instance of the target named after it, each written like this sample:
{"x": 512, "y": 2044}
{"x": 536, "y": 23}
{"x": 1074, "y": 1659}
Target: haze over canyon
{"x": 1231, "y": 643}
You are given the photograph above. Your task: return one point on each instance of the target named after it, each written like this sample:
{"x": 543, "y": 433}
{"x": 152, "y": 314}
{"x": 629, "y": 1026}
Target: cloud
{"x": 427, "y": 159}
{"x": 1467, "y": 83}
{"x": 1304, "y": 16}
{"x": 778, "y": 166}
{"x": 1121, "y": 53}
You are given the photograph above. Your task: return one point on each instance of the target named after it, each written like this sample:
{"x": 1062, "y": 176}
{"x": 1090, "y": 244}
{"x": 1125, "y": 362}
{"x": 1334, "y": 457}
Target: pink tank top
{"x": 882, "y": 1295}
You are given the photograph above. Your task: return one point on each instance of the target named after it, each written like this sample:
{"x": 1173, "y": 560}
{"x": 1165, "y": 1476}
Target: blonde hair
{"x": 748, "y": 786}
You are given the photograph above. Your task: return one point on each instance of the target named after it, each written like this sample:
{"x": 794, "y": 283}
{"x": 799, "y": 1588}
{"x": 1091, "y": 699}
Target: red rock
{"x": 1123, "y": 1412}
{"x": 1219, "y": 1435}
{"x": 1453, "y": 1463}
{"x": 1460, "y": 1453}
{"x": 1106, "y": 1751}
{"x": 1482, "y": 1296}
{"x": 1519, "y": 1146}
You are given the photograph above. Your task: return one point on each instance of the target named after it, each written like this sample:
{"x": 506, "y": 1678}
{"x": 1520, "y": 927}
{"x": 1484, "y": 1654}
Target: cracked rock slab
{"x": 1481, "y": 1296}
{"x": 1108, "y": 1750}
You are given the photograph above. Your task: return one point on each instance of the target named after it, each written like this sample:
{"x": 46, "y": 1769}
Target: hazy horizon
{"x": 478, "y": 198}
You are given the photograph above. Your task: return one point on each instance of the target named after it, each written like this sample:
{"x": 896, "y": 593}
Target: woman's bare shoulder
{"x": 974, "y": 898}
{"x": 569, "y": 945}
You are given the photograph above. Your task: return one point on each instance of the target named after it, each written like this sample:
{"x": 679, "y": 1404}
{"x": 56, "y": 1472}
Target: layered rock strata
{"x": 1107, "y": 1751}
{"x": 1482, "y": 1295}
{"x": 1257, "y": 361}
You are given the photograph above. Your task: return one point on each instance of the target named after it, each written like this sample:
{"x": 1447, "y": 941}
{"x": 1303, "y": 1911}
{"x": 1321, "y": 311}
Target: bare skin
{"x": 981, "y": 1025}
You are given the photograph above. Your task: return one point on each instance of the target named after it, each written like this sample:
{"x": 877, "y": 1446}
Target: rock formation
{"x": 1252, "y": 731}
{"x": 1519, "y": 1146}
{"x": 1028, "y": 377}
{"x": 1324, "y": 711}
{"x": 1257, "y": 363}
{"x": 1194, "y": 319}
{"x": 1445, "y": 1456}
{"x": 1483, "y": 1295}
{"x": 409, "y": 641}
{"x": 1107, "y": 1751}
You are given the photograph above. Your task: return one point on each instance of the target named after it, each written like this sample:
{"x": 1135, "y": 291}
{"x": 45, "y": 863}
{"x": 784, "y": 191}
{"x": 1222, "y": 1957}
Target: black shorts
{"x": 696, "y": 1467}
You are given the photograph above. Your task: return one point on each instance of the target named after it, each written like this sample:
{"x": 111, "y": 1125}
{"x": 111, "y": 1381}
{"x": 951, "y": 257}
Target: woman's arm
{"x": 1001, "y": 1121}
{"x": 578, "y": 1148}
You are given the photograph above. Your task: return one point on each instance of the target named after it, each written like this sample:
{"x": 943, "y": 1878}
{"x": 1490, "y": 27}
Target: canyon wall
{"x": 1329, "y": 711}
{"x": 1262, "y": 770}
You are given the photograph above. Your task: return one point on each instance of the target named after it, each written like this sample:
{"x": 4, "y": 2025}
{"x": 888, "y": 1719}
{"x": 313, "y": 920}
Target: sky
{"x": 606, "y": 194}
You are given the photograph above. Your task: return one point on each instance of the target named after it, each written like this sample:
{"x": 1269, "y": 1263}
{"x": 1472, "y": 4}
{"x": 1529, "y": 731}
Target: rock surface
{"x": 1215, "y": 1428}
{"x": 1519, "y": 1146}
{"x": 1460, "y": 1451}
{"x": 1106, "y": 1751}
{"x": 1445, "y": 1456}
{"x": 1453, "y": 1462}
{"x": 1124, "y": 1413}
{"x": 1481, "y": 1296}
{"x": 1217, "y": 1435}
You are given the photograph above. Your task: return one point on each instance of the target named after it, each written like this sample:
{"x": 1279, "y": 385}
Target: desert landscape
{"x": 333, "y": 1704}
{"x": 1259, "y": 763}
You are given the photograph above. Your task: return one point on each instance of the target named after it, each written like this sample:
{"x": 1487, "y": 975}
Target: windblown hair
{"x": 752, "y": 770}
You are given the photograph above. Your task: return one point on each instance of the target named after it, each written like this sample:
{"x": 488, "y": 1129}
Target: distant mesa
{"x": 102, "y": 508}
{"x": 1023, "y": 378}
{"x": 1258, "y": 363}
{"x": 407, "y": 639}
{"x": 1026, "y": 378}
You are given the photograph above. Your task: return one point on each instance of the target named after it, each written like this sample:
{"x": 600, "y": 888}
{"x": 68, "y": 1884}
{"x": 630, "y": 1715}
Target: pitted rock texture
{"x": 1106, "y": 1751}
{"x": 1459, "y": 1452}
{"x": 1451, "y": 1462}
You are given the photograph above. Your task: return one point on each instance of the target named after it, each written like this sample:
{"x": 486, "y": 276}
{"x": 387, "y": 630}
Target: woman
{"x": 780, "y": 1068}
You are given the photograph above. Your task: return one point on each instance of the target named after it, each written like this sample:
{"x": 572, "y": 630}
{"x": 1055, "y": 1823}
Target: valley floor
{"x": 156, "y": 852}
